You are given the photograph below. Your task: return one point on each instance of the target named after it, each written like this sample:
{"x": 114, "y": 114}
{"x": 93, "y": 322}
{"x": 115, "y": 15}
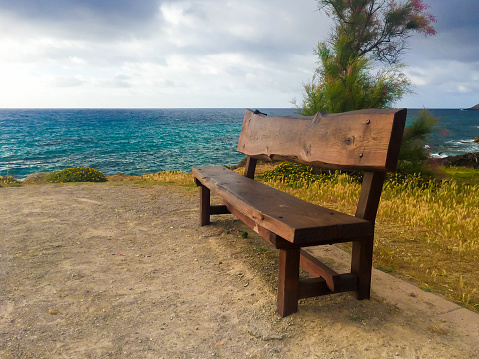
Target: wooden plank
{"x": 204, "y": 205}
{"x": 219, "y": 210}
{"x": 360, "y": 140}
{"x": 334, "y": 281}
{"x": 291, "y": 218}
{"x": 361, "y": 265}
{"x": 314, "y": 287}
{"x": 288, "y": 281}
{"x": 317, "y": 268}
{"x": 269, "y": 236}
{"x": 370, "y": 195}
{"x": 250, "y": 167}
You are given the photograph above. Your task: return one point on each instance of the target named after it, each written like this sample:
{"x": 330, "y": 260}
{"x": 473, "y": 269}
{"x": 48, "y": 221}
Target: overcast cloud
{"x": 204, "y": 53}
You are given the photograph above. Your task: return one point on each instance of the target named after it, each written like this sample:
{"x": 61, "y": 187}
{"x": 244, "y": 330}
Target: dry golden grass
{"x": 169, "y": 177}
{"x": 429, "y": 236}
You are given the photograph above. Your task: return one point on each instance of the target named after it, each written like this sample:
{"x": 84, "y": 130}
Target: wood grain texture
{"x": 250, "y": 167}
{"x": 288, "y": 281}
{"x": 371, "y": 189}
{"x": 291, "y": 218}
{"x": 204, "y": 205}
{"x": 361, "y": 140}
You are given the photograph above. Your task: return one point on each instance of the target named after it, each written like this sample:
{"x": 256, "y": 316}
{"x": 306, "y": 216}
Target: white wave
{"x": 438, "y": 155}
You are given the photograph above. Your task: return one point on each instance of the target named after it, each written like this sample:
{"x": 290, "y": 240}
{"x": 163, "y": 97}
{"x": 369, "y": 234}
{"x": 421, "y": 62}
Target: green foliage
{"x": 338, "y": 88}
{"x": 9, "y": 181}
{"x": 466, "y": 175}
{"x": 413, "y": 156}
{"x": 260, "y": 250}
{"x": 365, "y": 31}
{"x": 377, "y": 28}
{"x": 78, "y": 174}
{"x": 296, "y": 175}
{"x": 291, "y": 173}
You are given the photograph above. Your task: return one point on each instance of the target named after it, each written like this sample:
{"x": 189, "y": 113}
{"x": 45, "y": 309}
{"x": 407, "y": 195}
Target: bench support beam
{"x": 361, "y": 265}
{"x": 288, "y": 281}
{"x": 205, "y": 207}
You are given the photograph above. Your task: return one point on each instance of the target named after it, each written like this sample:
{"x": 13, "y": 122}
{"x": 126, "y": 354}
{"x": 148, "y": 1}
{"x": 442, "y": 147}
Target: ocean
{"x": 138, "y": 141}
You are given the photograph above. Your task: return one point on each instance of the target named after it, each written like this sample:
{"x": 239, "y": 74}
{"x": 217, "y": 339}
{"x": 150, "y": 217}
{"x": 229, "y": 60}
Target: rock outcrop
{"x": 465, "y": 160}
{"x": 473, "y": 107}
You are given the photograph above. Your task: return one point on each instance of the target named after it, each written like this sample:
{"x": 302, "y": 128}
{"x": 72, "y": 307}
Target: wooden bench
{"x": 366, "y": 140}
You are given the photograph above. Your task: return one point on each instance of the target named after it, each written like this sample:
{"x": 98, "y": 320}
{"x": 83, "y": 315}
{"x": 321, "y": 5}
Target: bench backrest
{"x": 366, "y": 140}
{"x": 358, "y": 140}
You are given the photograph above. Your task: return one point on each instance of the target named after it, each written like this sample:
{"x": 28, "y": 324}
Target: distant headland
{"x": 473, "y": 107}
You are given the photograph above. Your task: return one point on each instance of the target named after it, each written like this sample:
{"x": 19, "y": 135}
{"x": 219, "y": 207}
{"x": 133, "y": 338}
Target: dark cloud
{"x": 52, "y": 10}
{"x": 84, "y": 18}
{"x": 457, "y": 34}
{"x": 455, "y": 15}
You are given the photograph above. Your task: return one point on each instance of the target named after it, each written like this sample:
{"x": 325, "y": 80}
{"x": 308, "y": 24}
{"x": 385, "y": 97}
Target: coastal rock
{"x": 476, "y": 139}
{"x": 465, "y": 160}
{"x": 473, "y": 107}
{"x": 35, "y": 177}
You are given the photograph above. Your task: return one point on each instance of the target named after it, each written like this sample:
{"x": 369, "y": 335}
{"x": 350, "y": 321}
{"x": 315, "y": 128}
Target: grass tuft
{"x": 169, "y": 177}
{"x": 9, "y": 181}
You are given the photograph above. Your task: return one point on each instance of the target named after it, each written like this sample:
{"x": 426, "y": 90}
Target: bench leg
{"x": 204, "y": 205}
{"x": 361, "y": 265}
{"x": 288, "y": 281}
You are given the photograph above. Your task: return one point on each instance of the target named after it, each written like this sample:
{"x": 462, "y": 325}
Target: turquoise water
{"x": 137, "y": 141}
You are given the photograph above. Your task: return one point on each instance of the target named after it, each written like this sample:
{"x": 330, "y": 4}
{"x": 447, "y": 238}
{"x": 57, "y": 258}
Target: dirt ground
{"x": 117, "y": 270}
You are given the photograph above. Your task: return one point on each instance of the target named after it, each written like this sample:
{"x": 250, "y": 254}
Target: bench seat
{"x": 297, "y": 221}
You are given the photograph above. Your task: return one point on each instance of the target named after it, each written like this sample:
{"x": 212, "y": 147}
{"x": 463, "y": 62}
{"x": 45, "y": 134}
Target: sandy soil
{"x": 123, "y": 271}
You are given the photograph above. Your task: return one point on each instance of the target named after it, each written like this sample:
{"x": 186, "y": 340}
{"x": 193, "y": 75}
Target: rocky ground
{"x": 123, "y": 271}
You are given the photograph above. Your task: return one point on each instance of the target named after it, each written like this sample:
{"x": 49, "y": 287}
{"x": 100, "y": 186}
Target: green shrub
{"x": 297, "y": 176}
{"x": 9, "y": 181}
{"x": 293, "y": 174}
{"x": 78, "y": 174}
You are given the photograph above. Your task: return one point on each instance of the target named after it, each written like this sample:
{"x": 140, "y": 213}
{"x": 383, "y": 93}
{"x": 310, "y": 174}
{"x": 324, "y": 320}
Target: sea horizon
{"x": 134, "y": 141}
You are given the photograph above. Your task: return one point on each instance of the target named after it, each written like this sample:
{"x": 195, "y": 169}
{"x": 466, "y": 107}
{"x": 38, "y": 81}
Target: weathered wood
{"x": 204, "y": 205}
{"x": 269, "y": 236}
{"x": 288, "y": 281}
{"x": 370, "y": 195}
{"x": 217, "y": 209}
{"x": 352, "y": 140}
{"x": 293, "y": 219}
{"x": 361, "y": 265}
{"x": 318, "y": 269}
{"x": 314, "y": 287}
{"x": 250, "y": 167}
{"x": 335, "y": 282}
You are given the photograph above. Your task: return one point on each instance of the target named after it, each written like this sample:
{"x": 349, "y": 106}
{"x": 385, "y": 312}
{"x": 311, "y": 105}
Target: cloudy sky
{"x": 205, "y": 53}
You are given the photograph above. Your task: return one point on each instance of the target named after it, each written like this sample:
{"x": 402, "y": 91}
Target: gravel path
{"x": 123, "y": 271}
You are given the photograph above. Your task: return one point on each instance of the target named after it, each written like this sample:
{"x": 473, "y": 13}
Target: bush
{"x": 78, "y": 174}
{"x": 8, "y": 181}
{"x": 296, "y": 175}
{"x": 291, "y": 173}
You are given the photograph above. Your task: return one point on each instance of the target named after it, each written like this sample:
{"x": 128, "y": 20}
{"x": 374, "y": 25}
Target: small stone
{"x": 52, "y": 312}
